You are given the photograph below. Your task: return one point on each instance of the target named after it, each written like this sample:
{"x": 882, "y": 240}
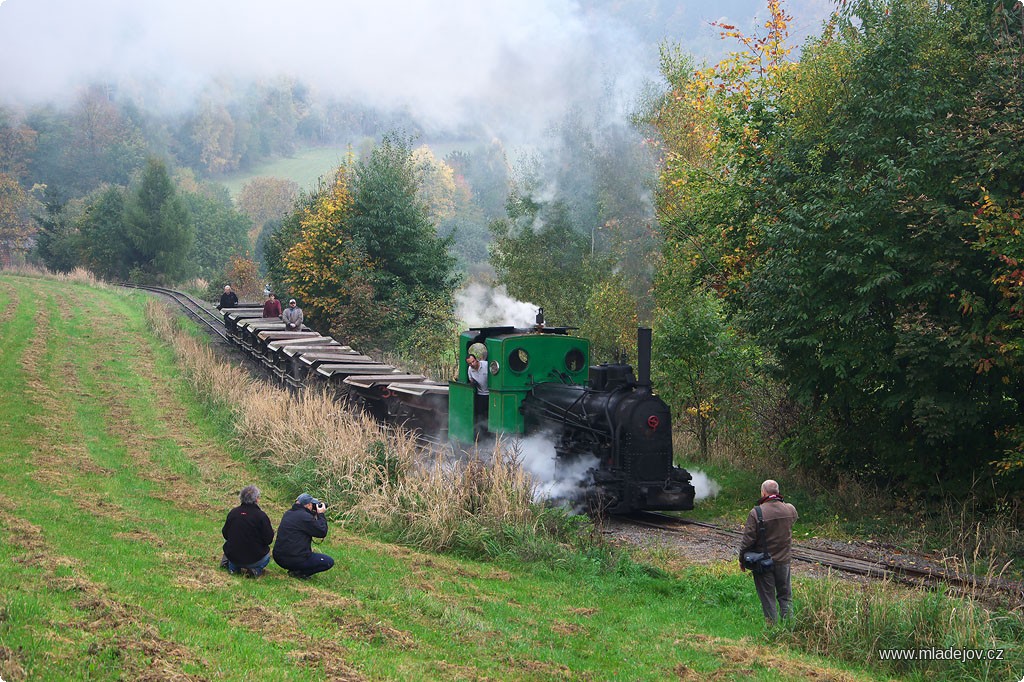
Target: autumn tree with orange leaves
{"x": 16, "y": 224}
{"x": 365, "y": 262}
{"x": 707, "y": 138}
{"x": 858, "y": 212}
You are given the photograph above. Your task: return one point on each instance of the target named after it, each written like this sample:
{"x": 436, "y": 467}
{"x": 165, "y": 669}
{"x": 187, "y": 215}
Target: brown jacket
{"x": 779, "y": 517}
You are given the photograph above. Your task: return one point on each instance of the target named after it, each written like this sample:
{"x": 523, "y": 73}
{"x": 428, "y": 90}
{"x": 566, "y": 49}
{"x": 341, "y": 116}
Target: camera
{"x": 318, "y": 506}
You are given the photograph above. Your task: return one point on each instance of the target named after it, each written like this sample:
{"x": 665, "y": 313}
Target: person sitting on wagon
{"x": 229, "y": 299}
{"x": 272, "y": 308}
{"x": 292, "y": 316}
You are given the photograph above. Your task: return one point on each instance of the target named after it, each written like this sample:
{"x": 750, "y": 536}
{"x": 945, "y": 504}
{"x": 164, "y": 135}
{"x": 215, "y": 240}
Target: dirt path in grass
{"x": 151, "y": 657}
{"x": 11, "y": 294}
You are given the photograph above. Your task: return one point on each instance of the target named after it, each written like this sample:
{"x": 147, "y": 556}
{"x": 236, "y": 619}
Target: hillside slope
{"x": 114, "y": 488}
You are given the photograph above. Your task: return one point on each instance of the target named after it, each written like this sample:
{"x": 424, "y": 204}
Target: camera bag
{"x": 759, "y": 562}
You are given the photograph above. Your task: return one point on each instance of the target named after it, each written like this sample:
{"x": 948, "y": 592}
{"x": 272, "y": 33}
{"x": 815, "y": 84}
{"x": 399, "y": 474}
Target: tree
{"x": 390, "y": 225}
{"x": 244, "y": 277}
{"x": 103, "y": 146}
{"x": 541, "y": 258}
{"x": 699, "y": 362}
{"x": 157, "y": 227}
{"x": 486, "y": 172}
{"x": 265, "y": 199}
{"x": 16, "y": 225}
{"x": 436, "y": 182}
{"x": 321, "y": 262}
{"x": 106, "y": 250}
{"x": 212, "y": 133}
{"x": 612, "y": 321}
{"x": 17, "y": 144}
{"x": 876, "y": 296}
{"x": 220, "y": 232}
{"x": 840, "y": 207}
{"x": 58, "y": 241}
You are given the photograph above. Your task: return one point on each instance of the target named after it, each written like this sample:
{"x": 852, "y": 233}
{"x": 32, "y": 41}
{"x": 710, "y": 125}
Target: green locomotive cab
{"x": 517, "y": 359}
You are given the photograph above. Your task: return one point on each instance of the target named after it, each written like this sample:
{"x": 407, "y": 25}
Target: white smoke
{"x": 556, "y": 479}
{"x": 482, "y": 306}
{"x": 704, "y": 485}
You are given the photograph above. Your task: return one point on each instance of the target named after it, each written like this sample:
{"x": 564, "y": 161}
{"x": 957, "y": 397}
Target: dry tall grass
{"x": 79, "y": 275}
{"x": 367, "y": 472}
{"x": 838, "y": 620}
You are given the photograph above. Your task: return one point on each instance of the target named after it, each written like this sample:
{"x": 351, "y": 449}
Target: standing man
{"x": 477, "y": 373}
{"x": 299, "y": 525}
{"x": 247, "y": 535}
{"x": 292, "y": 317}
{"x": 272, "y": 308}
{"x": 228, "y": 299}
{"x": 779, "y": 517}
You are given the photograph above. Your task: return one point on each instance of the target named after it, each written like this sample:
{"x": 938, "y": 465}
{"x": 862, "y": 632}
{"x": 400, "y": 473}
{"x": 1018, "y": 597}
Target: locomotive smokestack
{"x": 643, "y": 356}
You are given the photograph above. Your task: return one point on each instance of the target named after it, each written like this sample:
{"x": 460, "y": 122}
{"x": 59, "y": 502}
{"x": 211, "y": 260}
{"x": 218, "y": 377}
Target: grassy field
{"x": 115, "y": 485}
{"x": 308, "y": 164}
{"x": 305, "y": 167}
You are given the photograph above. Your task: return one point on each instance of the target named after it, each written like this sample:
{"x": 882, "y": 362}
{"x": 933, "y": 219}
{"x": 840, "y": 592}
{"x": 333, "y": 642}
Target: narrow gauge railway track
{"x": 214, "y": 322}
{"x": 839, "y": 561}
{"x": 195, "y": 309}
{"x": 848, "y": 563}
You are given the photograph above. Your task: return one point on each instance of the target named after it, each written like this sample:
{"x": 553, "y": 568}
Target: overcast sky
{"x": 447, "y": 60}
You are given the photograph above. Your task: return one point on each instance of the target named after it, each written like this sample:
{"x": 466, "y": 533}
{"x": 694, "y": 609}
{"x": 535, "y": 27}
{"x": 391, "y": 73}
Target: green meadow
{"x": 116, "y": 481}
{"x": 304, "y": 167}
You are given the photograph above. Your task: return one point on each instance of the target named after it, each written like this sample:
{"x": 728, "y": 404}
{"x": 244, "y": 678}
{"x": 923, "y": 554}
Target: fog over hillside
{"x": 501, "y": 64}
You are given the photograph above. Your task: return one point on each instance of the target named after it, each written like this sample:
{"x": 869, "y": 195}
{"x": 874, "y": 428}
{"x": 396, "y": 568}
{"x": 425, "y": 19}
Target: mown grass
{"x": 117, "y": 476}
{"x": 305, "y": 167}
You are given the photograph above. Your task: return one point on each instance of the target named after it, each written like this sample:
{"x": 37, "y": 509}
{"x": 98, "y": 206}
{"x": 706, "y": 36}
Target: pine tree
{"x": 157, "y": 227}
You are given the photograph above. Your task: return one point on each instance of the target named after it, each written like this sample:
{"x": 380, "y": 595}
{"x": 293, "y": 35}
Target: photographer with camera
{"x": 299, "y": 525}
{"x": 767, "y": 539}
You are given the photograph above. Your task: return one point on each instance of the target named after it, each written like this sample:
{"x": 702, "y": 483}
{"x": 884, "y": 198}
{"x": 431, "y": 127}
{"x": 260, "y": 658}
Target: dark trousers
{"x": 480, "y": 409}
{"x": 316, "y": 563}
{"x": 772, "y": 586}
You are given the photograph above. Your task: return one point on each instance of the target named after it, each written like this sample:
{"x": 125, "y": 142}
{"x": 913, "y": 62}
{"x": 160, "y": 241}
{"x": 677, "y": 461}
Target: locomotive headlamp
{"x": 492, "y": 367}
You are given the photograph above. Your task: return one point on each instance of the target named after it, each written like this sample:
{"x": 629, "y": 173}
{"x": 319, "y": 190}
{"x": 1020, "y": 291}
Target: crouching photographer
{"x": 299, "y": 525}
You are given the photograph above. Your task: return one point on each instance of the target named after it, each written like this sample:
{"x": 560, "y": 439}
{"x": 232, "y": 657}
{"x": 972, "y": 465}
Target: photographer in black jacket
{"x": 247, "y": 535}
{"x": 299, "y": 525}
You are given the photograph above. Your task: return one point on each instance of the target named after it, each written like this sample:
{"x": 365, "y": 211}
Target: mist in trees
{"x": 578, "y": 234}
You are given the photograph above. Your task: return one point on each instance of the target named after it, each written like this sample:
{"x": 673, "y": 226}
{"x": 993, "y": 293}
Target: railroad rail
{"x": 969, "y": 584}
{"x": 376, "y": 372}
{"x": 194, "y": 308}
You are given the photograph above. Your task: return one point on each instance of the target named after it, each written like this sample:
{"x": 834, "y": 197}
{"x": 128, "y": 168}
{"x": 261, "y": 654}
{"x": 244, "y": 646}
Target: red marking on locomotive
{"x": 653, "y": 421}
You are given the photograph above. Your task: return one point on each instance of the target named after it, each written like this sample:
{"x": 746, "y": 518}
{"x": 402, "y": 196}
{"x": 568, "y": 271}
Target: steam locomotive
{"x": 540, "y": 381}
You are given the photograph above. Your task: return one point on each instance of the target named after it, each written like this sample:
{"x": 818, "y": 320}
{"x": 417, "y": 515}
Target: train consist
{"x": 540, "y": 382}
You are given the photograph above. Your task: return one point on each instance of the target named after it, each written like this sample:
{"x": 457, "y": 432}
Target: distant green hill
{"x": 310, "y": 163}
{"x": 304, "y": 168}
